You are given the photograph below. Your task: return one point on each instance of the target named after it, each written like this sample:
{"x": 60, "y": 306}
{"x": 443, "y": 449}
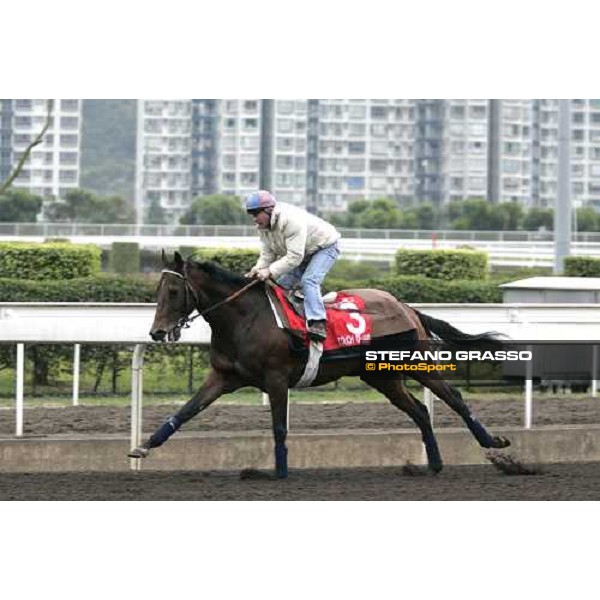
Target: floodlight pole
{"x": 562, "y": 213}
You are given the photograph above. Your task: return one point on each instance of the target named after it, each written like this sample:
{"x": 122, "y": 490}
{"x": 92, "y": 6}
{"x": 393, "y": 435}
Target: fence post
{"x": 76, "y": 355}
{"x": 137, "y": 365}
{"x": 529, "y": 392}
{"x": 20, "y": 386}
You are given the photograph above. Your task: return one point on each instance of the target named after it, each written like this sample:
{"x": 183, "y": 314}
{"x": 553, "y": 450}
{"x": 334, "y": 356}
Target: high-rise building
{"x": 164, "y": 157}
{"x": 53, "y": 167}
{"x": 325, "y": 154}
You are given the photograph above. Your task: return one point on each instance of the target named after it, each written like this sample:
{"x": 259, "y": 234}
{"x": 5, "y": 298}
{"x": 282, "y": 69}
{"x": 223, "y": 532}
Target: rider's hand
{"x": 263, "y": 274}
{"x": 252, "y": 273}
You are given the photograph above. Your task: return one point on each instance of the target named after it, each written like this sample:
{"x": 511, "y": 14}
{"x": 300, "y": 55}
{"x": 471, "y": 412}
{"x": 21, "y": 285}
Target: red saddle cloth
{"x": 347, "y": 325}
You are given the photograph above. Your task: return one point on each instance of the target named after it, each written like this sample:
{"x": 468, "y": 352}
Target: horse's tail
{"x": 454, "y": 338}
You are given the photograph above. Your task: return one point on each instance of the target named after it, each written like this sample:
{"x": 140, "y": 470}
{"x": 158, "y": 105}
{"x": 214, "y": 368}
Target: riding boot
{"x": 317, "y": 330}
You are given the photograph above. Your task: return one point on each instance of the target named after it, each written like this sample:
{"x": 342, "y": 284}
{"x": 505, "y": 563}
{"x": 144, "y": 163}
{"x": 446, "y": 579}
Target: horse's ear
{"x": 178, "y": 260}
{"x": 163, "y": 257}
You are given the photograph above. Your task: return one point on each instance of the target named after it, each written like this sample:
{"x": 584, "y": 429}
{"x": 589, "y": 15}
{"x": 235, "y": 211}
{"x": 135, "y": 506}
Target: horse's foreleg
{"x": 278, "y": 398}
{"x": 215, "y": 385}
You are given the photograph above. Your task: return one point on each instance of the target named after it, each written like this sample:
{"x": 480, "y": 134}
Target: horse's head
{"x": 174, "y": 301}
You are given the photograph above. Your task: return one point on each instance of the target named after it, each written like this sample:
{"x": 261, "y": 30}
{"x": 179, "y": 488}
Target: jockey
{"x": 296, "y": 248}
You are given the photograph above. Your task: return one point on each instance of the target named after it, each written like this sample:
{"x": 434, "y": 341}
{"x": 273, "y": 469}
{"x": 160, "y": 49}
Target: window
{"x": 285, "y": 107}
{"x": 511, "y": 166}
{"x": 356, "y": 147}
{"x": 356, "y": 164}
{"x": 249, "y": 142}
{"x": 68, "y": 176}
{"x": 284, "y": 162}
{"x": 68, "y": 158}
{"x": 356, "y": 183}
{"x": 378, "y": 166}
{"x": 379, "y": 112}
{"x": 357, "y": 112}
{"x": 249, "y": 161}
{"x": 285, "y": 125}
{"x": 457, "y": 112}
{"x": 250, "y": 106}
{"x": 357, "y": 130}
{"x": 69, "y": 105}
{"x": 69, "y": 141}
{"x": 69, "y": 122}
{"x": 477, "y": 128}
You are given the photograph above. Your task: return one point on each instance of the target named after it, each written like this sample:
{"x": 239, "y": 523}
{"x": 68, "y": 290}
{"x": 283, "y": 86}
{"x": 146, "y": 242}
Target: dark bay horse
{"x": 249, "y": 349}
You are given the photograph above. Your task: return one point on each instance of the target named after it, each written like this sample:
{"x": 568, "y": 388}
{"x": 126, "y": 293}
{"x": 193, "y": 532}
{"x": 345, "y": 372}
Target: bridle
{"x": 184, "y": 322}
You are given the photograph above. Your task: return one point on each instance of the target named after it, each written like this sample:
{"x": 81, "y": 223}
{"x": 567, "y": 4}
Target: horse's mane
{"x": 218, "y": 273}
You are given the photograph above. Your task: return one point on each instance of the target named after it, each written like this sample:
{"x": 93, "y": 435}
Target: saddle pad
{"x": 347, "y": 323}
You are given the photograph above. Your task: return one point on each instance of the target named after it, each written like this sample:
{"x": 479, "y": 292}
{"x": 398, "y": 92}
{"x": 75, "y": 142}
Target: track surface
{"x": 501, "y": 412}
{"x": 485, "y": 482}
{"x": 557, "y": 482}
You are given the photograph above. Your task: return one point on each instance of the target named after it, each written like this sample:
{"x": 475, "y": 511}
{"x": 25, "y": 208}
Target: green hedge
{"x": 101, "y": 288}
{"x": 237, "y": 260}
{"x": 48, "y": 261}
{"x": 442, "y": 264}
{"x": 414, "y": 289}
{"x": 582, "y": 266}
{"x": 125, "y": 257}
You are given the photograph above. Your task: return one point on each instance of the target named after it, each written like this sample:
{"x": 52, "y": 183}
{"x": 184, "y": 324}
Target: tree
{"x": 381, "y": 214}
{"x": 155, "y": 214}
{"x": 514, "y": 215}
{"x": 83, "y": 206}
{"x": 216, "y": 209}
{"x": 587, "y": 219}
{"x": 422, "y": 216}
{"x": 36, "y": 142}
{"x": 539, "y": 218}
{"x": 19, "y": 206}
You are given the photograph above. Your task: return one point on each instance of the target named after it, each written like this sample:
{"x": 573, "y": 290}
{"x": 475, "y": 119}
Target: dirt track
{"x": 556, "y": 482}
{"x": 557, "y": 410}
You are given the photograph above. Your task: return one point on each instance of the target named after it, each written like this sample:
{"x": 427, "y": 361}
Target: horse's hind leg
{"x": 452, "y": 397}
{"x": 400, "y": 397}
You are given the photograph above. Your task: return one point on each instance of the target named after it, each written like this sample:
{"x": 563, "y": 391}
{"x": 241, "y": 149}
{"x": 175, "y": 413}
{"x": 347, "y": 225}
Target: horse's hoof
{"x": 139, "y": 452}
{"x": 501, "y": 442}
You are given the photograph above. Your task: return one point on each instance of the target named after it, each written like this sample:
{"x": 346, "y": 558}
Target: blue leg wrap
{"x": 164, "y": 432}
{"x": 479, "y": 431}
{"x": 281, "y": 463}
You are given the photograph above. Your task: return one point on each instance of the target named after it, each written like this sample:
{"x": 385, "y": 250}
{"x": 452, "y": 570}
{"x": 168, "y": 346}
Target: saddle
{"x": 354, "y": 317}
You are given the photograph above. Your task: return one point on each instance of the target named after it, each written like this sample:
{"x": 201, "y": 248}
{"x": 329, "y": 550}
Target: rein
{"x": 184, "y": 322}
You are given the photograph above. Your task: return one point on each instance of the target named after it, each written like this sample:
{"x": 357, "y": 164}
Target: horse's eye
{"x": 173, "y": 293}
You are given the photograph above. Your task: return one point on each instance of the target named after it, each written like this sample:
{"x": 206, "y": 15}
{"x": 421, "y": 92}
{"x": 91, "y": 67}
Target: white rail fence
{"x": 521, "y": 249}
{"x": 129, "y": 324}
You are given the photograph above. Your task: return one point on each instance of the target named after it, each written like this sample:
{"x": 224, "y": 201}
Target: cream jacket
{"x": 294, "y": 235}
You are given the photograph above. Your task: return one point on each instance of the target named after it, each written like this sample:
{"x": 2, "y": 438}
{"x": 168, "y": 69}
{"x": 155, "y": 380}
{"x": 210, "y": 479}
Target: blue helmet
{"x": 259, "y": 201}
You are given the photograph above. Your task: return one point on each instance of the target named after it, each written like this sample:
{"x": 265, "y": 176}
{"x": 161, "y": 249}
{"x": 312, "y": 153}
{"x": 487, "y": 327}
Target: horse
{"x": 249, "y": 349}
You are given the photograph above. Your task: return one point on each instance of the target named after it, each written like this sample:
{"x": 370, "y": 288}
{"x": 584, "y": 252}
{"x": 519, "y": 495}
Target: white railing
{"x": 26, "y": 323}
{"x": 505, "y": 248}
{"x": 115, "y": 230}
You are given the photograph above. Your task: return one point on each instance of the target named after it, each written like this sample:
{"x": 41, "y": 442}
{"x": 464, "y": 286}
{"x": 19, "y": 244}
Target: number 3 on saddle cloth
{"x": 347, "y": 324}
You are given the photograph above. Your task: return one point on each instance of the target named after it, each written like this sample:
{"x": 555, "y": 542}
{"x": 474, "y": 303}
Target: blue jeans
{"x": 310, "y": 275}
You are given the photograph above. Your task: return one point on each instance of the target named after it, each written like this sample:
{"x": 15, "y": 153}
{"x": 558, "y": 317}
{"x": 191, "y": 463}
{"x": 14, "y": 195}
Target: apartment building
{"x": 164, "y": 157}
{"x": 585, "y": 152}
{"x": 361, "y": 149}
{"x": 53, "y": 167}
{"x": 326, "y": 154}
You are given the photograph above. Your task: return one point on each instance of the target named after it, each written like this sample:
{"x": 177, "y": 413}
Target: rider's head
{"x": 260, "y": 205}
